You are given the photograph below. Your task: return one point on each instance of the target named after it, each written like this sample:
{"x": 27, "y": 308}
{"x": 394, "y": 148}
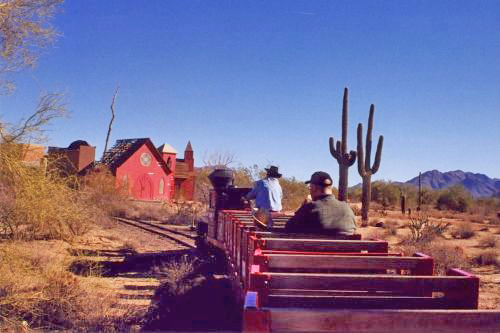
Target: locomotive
{"x": 224, "y": 196}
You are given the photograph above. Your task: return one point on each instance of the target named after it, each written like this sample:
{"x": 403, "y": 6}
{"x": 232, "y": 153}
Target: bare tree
{"x": 25, "y": 29}
{"x": 111, "y": 121}
{"x": 49, "y": 107}
{"x": 218, "y": 159}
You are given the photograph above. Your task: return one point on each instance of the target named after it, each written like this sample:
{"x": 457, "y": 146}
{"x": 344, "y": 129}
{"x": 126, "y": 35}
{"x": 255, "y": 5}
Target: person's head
{"x": 320, "y": 184}
{"x": 273, "y": 172}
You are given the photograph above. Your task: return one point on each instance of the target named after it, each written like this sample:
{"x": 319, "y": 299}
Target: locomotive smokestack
{"x": 221, "y": 179}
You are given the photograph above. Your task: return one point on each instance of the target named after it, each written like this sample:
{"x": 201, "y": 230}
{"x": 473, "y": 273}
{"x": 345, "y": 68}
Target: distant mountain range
{"x": 477, "y": 184}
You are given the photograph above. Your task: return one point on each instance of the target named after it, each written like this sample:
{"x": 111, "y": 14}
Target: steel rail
{"x": 148, "y": 227}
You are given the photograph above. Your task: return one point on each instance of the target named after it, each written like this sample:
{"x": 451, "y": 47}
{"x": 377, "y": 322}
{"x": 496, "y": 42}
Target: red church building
{"x": 151, "y": 173}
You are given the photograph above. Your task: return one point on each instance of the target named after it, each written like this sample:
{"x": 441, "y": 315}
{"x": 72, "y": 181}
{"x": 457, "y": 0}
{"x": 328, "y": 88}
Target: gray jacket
{"x": 325, "y": 215}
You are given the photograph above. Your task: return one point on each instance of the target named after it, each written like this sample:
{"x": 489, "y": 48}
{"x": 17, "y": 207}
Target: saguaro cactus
{"x": 402, "y": 201}
{"x": 364, "y": 169}
{"x": 339, "y": 151}
{"x": 419, "y": 191}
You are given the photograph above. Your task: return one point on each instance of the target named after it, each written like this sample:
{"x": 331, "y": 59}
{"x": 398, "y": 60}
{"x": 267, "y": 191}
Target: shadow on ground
{"x": 203, "y": 300}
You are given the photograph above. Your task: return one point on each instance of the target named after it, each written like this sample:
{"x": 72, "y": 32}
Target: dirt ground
{"x": 134, "y": 265}
{"x": 489, "y": 293}
{"x": 126, "y": 262}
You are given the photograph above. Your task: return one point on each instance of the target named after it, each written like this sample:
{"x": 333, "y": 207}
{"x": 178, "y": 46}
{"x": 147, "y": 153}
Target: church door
{"x": 143, "y": 188}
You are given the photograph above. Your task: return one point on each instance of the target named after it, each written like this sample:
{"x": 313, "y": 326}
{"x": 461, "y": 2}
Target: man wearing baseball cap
{"x": 325, "y": 214}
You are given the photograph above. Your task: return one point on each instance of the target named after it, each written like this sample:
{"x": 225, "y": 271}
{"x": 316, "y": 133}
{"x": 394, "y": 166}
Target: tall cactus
{"x": 339, "y": 151}
{"x": 365, "y": 170}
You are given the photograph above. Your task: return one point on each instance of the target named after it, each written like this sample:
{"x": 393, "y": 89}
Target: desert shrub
{"x": 356, "y": 210}
{"x": 454, "y": 198}
{"x": 488, "y": 241}
{"x": 495, "y": 220}
{"x": 485, "y": 206}
{"x": 423, "y": 230}
{"x": 245, "y": 176}
{"x": 385, "y": 193}
{"x": 39, "y": 204}
{"x": 487, "y": 257}
{"x": 185, "y": 212}
{"x": 445, "y": 256}
{"x": 98, "y": 188}
{"x": 355, "y": 194}
{"x": 428, "y": 196}
{"x": 294, "y": 193}
{"x": 463, "y": 231}
{"x": 392, "y": 227}
{"x": 202, "y": 185}
{"x": 176, "y": 273}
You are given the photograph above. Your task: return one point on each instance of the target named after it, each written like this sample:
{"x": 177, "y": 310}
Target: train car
{"x": 317, "y": 283}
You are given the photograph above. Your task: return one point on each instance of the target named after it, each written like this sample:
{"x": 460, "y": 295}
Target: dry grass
{"x": 445, "y": 256}
{"x": 153, "y": 211}
{"x": 37, "y": 290}
{"x": 376, "y": 234}
{"x": 39, "y": 205}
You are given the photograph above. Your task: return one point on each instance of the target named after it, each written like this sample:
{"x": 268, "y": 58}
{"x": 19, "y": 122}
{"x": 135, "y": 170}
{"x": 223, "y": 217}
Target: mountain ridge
{"x": 478, "y": 184}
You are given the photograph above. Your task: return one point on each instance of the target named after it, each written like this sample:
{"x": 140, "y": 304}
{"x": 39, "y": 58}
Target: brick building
{"x": 78, "y": 157}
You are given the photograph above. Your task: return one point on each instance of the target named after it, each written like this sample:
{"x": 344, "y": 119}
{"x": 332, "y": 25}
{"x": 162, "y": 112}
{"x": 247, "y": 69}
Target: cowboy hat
{"x": 272, "y": 171}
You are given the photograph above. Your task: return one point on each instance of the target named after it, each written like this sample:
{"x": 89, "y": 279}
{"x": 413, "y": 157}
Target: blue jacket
{"x": 267, "y": 194}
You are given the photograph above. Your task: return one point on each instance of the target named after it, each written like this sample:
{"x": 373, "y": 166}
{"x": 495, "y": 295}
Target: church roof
{"x": 188, "y": 147}
{"x": 166, "y": 148}
{"x": 124, "y": 148}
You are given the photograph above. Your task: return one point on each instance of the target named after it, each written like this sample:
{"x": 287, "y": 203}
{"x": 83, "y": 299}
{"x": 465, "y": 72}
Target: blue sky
{"x": 264, "y": 80}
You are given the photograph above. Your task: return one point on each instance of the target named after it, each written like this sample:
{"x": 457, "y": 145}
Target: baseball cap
{"x": 320, "y": 178}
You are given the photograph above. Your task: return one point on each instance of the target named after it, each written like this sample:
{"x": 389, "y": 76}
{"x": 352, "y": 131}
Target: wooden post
{"x": 255, "y": 320}
{"x": 469, "y": 296}
{"x": 425, "y": 268}
{"x": 259, "y": 283}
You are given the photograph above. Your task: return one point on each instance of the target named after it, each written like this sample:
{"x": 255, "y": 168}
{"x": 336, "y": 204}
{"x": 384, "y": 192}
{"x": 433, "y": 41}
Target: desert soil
{"x": 135, "y": 284}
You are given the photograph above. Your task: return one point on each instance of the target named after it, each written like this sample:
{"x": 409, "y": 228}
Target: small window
{"x": 162, "y": 186}
{"x": 169, "y": 162}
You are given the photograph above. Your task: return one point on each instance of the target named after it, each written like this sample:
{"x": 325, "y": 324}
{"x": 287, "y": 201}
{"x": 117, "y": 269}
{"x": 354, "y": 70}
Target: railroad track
{"x": 182, "y": 237}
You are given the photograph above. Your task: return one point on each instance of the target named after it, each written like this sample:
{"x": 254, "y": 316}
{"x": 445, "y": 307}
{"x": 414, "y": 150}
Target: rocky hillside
{"x": 477, "y": 184}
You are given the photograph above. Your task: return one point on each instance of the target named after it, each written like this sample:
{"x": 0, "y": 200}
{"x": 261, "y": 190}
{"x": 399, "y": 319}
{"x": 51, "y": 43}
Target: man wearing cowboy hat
{"x": 267, "y": 193}
{"x": 324, "y": 214}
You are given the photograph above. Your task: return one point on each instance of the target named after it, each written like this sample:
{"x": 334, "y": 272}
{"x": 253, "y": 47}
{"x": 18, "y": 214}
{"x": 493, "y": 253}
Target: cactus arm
{"x": 361, "y": 167}
{"x": 345, "y": 111}
{"x": 351, "y": 158}
{"x": 335, "y": 152}
{"x": 369, "y": 138}
{"x": 378, "y": 154}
